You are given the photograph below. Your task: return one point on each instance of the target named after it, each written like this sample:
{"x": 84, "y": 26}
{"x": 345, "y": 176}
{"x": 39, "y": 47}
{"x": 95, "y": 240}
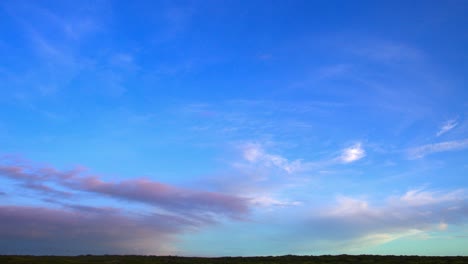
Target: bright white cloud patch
{"x": 424, "y": 150}
{"x": 447, "y": 126}
{"x": 352, "y": 154}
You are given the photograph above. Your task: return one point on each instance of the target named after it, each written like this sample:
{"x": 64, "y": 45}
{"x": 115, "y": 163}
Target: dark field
{"x": 108, "y": 259}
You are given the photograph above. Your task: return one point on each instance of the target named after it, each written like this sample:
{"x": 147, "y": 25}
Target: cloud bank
{"x": 358, "y": 223}
{"x": 67, "y": 225}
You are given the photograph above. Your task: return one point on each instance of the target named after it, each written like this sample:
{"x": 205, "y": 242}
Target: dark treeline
{"x": 128, "y": 259}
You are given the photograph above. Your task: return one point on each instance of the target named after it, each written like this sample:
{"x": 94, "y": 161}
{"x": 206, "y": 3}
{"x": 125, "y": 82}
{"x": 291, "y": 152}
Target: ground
{"x": 108, "y": 259}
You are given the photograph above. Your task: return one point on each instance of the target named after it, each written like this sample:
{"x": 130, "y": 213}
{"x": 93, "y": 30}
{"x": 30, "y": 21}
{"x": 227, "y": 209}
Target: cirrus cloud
{"x": 447, "y": 126}
{"x": 424, "y": 150}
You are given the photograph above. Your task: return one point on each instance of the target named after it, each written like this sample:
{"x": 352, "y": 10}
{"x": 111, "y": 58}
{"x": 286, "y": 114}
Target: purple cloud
{"x": 167, "y": 197}
{"x": 59, "y": 231}
{"x": 66, "y": 225}
{"x": 164, "y": 196}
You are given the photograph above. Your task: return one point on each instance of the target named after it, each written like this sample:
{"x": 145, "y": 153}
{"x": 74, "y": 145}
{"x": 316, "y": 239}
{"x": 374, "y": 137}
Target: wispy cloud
{"x": 447, "y": 126}
{"x": 167, "y": 197}
{"x": 424, "y": 150}
{"x": 384, "y": 51}
{"x": 268, "y": 201}
{"x": 356, "y": 220}
{"x": 352, "y": 153}
{"x": 254, "y": 153}
{"x": 174, "y": 200}
{"x": 420, "y": 197}
{"x": 414, "y": 206}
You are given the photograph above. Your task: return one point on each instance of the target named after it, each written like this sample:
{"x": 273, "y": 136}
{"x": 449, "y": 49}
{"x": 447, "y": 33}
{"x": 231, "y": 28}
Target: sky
{"x": 234, "y": 128}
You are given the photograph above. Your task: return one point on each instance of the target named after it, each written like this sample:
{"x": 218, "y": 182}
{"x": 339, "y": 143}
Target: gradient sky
{"x": 212, "y": 128}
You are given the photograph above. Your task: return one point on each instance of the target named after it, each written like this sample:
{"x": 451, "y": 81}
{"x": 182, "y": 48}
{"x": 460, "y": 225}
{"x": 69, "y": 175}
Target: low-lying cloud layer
{"x": 41, "y": 230}
{"x": 66, "y": 226}
{"x": 60, "y": 219}
{"x": 361, "y": 224}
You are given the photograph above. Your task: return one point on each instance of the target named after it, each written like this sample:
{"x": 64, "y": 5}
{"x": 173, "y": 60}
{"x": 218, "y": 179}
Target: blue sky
{"x": 214, "y": 128}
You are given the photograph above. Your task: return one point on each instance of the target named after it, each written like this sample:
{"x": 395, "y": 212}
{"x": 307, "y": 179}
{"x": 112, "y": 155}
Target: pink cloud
{"x": 61, "y": 231}
{"x": 67, "y": 225}
{"x": 164, "y": 196}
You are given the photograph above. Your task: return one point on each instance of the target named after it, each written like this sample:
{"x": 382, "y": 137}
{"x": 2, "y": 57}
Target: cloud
{"x": 64, "y": 223}
{"x": 334, "y": 71}
{"x": 384, "y": 51}
{"x": 416, "y": 208}
{"x": 168, "y": 197}
{"x": 146, "y": 191}
{"x": 252, "y": 152}
{"x": 349, "y": 206}
{"x": 356, "y": 221}
{"x": 263, "y": 177}
{"x": 419, "y": 197}
{"x": 268, "y": 201}
{"x": 255, "y": 154}
{"x": 424, "y": 150}
{"x": 41, "y": 230}
{"x": 442, "y": 226}
{"x": 447, "y": 126}
{"x": 352, "y": 154}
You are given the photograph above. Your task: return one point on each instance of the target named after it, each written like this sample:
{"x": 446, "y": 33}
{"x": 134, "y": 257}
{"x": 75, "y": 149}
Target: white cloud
{"x": 268, "y": 201}
{"x": 419, "y": 197}
{"x": 447, "y": 126}
{"x": 421, "y": 151}
{"x": 358, "y": 222}
{"x": 376, "y": 239}
{"x": 349, "y": 206}
{"x": 416, "y": 206}
{"x": 254, "y": 153}
{"x": 352, "y": 154}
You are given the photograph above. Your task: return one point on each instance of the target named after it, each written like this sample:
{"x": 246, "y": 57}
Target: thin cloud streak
{"x": 424, "y": 150}
{"x": 447, "y": 126}
{"x": 165, "y": 196}
{"x": 254, "y": 153}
